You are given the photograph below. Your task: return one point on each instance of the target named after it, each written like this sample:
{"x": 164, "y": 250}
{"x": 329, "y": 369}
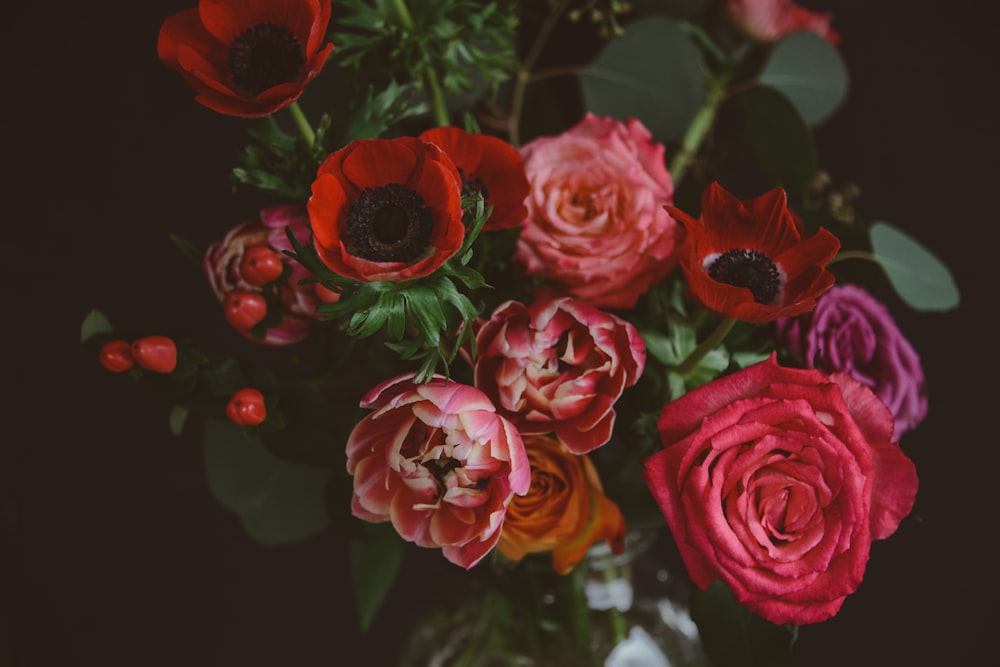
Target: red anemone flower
{"x": 490, "y": 166}
{"x": 748, "y": 259}
{"x": 247, "y": 58}
{"x": 386, "y": 209}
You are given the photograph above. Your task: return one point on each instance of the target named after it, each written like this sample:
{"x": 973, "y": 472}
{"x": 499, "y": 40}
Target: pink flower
{"x": 776, "y": 480}
{"x": 228, "y": 271}
{"x": 596, "y": 228}
{"x": 439, "y": 462}
{"x": 558, "y": 366}
{"x": 770, "y": 20}
{"x": 851, "y": 332}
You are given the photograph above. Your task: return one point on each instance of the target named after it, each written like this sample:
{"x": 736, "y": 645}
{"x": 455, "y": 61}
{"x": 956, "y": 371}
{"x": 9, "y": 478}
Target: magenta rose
{"x": 596, "y": 227}
{"x": 770, "y": 20}
{"x": 775, "y": 481}
{"x": 439, "y": 462}
{"x": 242, "y": 263}
{"x": 558, "y": 366}
{"x": 850, "y": 332}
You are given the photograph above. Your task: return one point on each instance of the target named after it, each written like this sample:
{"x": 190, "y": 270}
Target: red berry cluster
{"x": 259, "y": 266}
{"x": 152, "y": 353}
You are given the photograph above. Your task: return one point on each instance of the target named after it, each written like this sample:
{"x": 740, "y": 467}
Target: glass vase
{"x": 612, "y": 610}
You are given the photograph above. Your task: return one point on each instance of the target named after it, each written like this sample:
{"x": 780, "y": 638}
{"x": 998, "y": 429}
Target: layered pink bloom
{"x": 558, "y": 366}
{"x": 851, "y": 332}
{"x": 439, "y": 462}
{"x": 776, "y": 480}
{"x": 770, "y": 20}
{"x": 224, "y": 264}
{"x": 596, "y": 227}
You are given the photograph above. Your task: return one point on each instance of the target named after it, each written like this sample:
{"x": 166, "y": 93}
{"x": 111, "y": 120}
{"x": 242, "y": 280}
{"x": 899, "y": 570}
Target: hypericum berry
{"x": 246, "y": 407}
{"x": 244, "y": 310}
{"x": 325, "y": 294}
{"x": 155, "y": 353}
{"x": 260, "y": 265}
{"x": 116, "y": 356}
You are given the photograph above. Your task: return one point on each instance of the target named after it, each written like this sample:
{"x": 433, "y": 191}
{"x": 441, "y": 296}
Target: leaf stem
{"x": 854, "y": 254}
{"x": 698, "y": 130}
{"x": 719, "y": 334}
{"x": 301, "y": 122}
{"x": 434, "y": 92}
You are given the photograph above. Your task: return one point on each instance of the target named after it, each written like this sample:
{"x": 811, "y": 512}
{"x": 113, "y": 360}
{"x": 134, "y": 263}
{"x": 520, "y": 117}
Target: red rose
{"x": 247, "y": 58}
{"x": 387, "y": 209}
{"x": 776, "y": 480}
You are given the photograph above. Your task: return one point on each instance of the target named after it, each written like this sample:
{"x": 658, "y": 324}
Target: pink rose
{"x": 776, "y": 480}
{"x": 596, "y": 228}
{"x": 437, "y": 461}
{"x": 851, "y": 332}
{"x": 558, "y": 366}
{"x": 227, "y": 272}
{"x": 770, "y": 20}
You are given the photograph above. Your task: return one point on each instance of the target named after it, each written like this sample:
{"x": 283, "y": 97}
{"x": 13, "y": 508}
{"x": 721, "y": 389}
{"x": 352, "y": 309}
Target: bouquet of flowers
{"x": 538, "y": 280}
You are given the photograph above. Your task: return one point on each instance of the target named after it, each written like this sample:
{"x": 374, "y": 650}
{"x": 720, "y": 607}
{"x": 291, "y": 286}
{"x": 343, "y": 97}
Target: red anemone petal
{"x": 226, "y": 19}
{"x": 380, "y": 161}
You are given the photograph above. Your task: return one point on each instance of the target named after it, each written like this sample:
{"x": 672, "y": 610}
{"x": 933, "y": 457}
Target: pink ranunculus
{"x": 775, "y": 481}
{"x": 297, "y": 302}
{"x": 851, "y": 332}
{"x": 596, "y": 227}
{"x": 770, "y": 20}
{"x": 558, "y": 366}
{"x": 439, "y": 462}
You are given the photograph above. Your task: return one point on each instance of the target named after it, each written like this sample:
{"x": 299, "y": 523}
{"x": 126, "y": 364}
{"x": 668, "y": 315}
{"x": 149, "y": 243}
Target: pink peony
{"x": 558, "y": 366}
{"x": 776, "y": 480}
{"x": 439, "y": 462}
{"x": 770, "y": 20}
{"x": 596, "y": 228}
{"x": 297, "y": 302}
{"x": 850, "y": 332}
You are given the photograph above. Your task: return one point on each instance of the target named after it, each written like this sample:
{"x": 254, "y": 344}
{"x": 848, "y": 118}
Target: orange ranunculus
{"x": 565, "y": 511}
{"x": 247, "y": 58}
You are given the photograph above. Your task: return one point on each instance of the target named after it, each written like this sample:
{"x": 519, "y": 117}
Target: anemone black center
{"x": 471, "y": 185}
{"x": 263, "y": 56}
{"x": 389, "y": 223}
{"x": 748, "y": 268}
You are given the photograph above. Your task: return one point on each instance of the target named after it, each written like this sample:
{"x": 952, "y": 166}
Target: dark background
{"x": 113, "y": 551}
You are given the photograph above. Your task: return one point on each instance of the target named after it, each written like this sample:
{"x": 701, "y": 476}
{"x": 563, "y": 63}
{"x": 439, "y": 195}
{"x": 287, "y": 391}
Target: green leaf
{"x": 375, "y": 561}
{"x": 178, "y": 415}
{"x": 735, "y": 637}
{"x": 653, "y": 73}
{"x": 810, "y": 72}
{"x": 94, "y": 324}
{"x": 278, "y": 502}
{"x": 190, "y": 250}
{"x": 918, "y": 276}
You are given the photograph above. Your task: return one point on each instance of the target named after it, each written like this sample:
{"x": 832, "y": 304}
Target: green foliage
{"x": 918, "y": 276}
{"x": 189, "y": 249}
{"x": 95, "y": 325}
{"x": 810, "y": 72}
{"x": 653, "y": 72}
{"x": 376, "y": 556}
{"x": 735, "y": 637}
{"x": 277, "y": 162}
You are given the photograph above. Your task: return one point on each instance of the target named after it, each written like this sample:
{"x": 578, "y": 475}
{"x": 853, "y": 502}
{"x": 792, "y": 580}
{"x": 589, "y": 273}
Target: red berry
{"x": 155, "y": 353}
{"x": 244, "y": 310}
{"x": 246, "y": 407}
{"x": 116, "y": 356}
{"x": 325, "y": 294}
{"x": 260, "y": 265}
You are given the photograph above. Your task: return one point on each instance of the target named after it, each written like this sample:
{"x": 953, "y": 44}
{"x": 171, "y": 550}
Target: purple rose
{"x": 851, "y": 332}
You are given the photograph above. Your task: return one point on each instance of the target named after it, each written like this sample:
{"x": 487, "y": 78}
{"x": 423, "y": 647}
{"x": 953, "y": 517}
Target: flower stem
{"x": 698, "y": 130}
{"x": 718, "y": 335}
{"x": 619, "y": 627}
{"x": 301, "y": 122}
{"x": 434, "y": 93}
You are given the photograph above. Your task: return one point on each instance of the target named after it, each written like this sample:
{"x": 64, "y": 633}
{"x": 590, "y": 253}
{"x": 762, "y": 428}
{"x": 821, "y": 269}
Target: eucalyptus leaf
{"x": 375, "y": 561}
{"x": 653, "y": 72}
{"x": 918, "y": 276}
{"x": 278, "y": 502}
{"x": 94, "y": 324}
{"x": 178, "y": 415}
{"x": 735, "y": 637}
{"x": 810, "y": 72}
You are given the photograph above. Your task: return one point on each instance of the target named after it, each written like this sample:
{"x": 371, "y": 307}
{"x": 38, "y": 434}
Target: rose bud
{"x": 260, "y": 265}
{"x": 246, "y": 407}
{"x": 155, "y": 353}
{"x": 244, "y": 310}
{"x": 116, "y": 356}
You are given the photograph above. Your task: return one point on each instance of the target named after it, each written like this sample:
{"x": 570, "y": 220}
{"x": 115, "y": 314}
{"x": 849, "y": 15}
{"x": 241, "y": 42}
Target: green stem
{"x": 434, "y": 92}
{"x": 619, "y": 626}
{"x": 579, "y": 611}
{"x": 722, "y": 330}
{"x": 854, "y": 254}
{"x": 305, "y": 129}
{"x": 698, "y": 130}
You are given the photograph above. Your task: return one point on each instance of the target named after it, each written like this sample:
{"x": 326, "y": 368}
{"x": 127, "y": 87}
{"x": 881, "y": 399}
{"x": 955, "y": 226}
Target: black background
{"x": 113, "y": 551}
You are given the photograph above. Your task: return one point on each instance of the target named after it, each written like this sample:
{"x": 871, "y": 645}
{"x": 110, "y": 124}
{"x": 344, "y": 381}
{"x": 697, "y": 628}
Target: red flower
{"x": 247, "y": 58}
{"x": 749, "y": 260}
{"x": 490, "y": 166}
{"x": 387, "y": 209}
